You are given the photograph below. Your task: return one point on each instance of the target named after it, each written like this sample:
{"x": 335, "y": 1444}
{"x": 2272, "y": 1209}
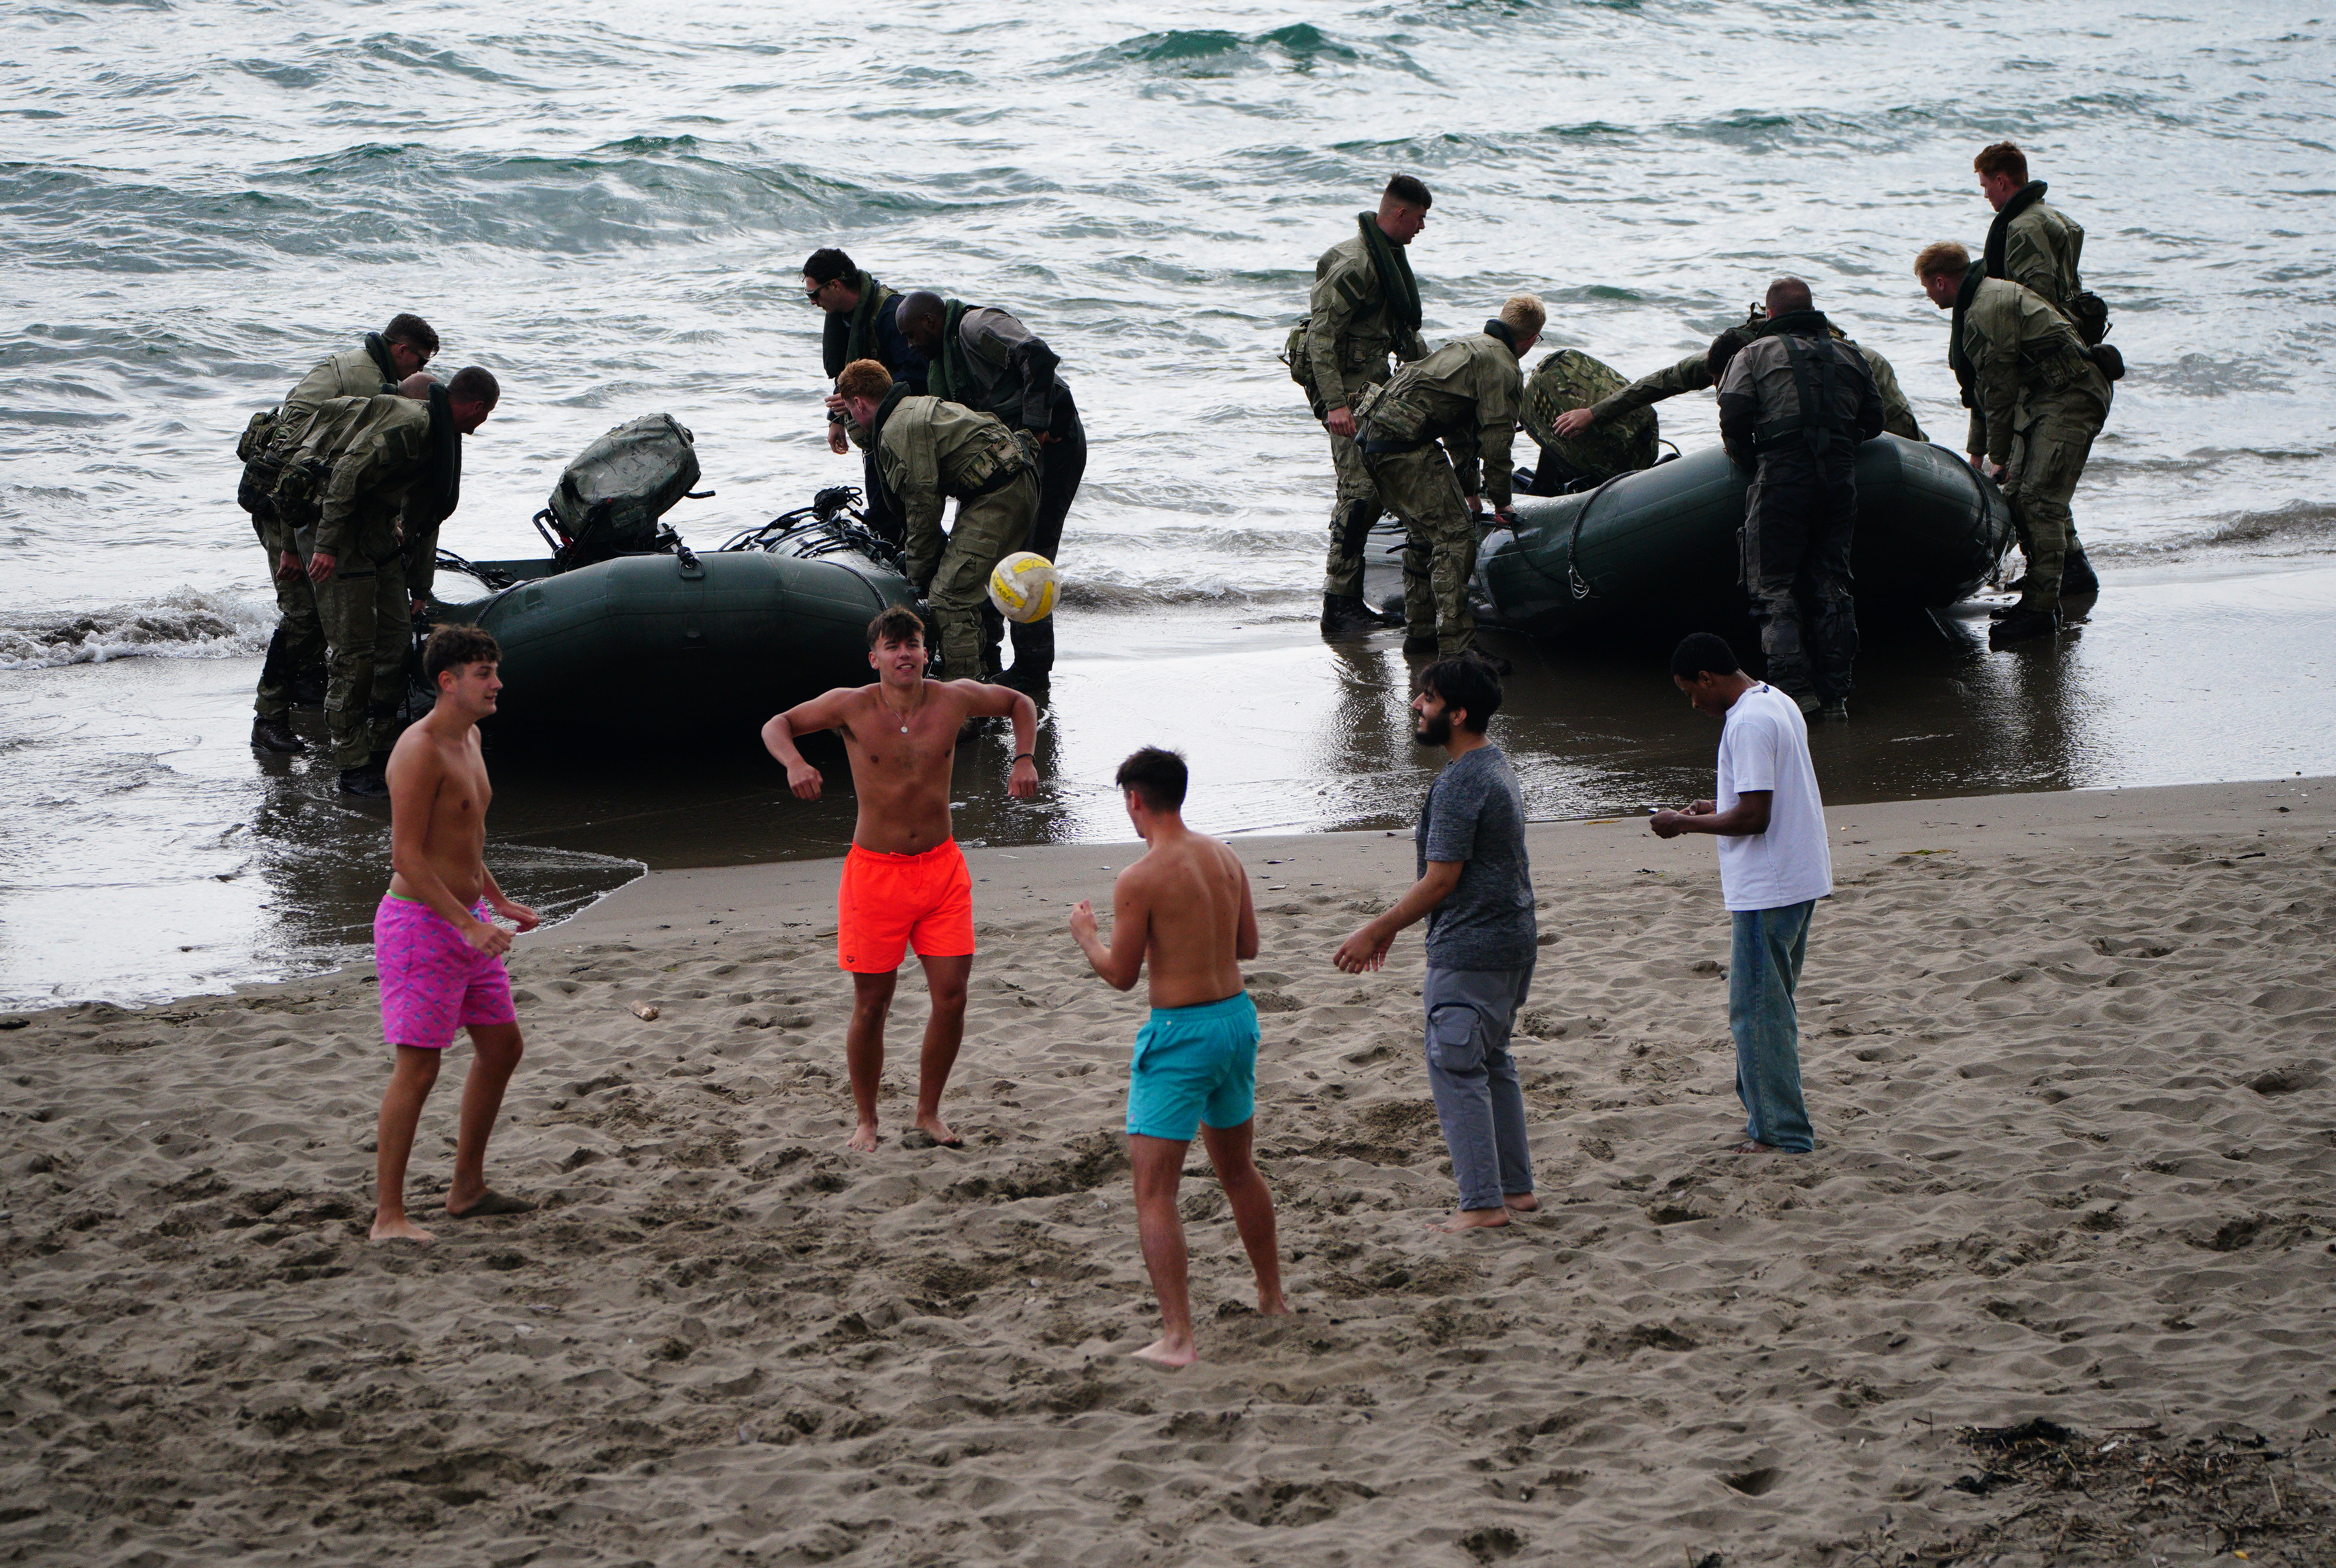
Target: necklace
{"x": 913, "y": 707}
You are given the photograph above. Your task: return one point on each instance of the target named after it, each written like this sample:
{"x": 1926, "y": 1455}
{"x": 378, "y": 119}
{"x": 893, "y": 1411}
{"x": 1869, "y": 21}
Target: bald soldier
{"x": 1436, "y": 437}
{"x": 926, "y": 451}
{"x": 2038, "y": 400}
{"x": 1694, "y": 374}
{"x": 363, "y": 493}
{"x": 372, "y": 369}
{"x": 1364, "y": 308}
{"x": 2034, "y": 244}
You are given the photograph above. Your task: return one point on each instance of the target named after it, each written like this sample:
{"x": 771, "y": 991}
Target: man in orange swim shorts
{"x": 904, "y": 880}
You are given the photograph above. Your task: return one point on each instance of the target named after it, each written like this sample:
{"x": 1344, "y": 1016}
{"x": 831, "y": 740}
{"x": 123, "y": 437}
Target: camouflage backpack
{"x": 1570, "y": 379}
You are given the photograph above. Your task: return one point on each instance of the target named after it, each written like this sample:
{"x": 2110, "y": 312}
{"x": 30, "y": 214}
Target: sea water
{"x": 609, "y": 206}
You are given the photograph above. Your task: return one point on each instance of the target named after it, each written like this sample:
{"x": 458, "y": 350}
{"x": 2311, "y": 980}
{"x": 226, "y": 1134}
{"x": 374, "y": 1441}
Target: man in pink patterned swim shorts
{"x": 439, "y": 957}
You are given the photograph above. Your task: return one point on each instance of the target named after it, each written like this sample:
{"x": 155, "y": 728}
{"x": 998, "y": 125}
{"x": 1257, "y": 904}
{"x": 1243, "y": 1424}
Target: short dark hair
{"x": 1942, "y": 258}
{"x": 451, "y": 646}
{"x": 2002, "y": 158}
{"x": 1787, "y": 295}
{"x": 827, "y": 264}
{"x": 920, "y": 305}
{"x": 475, "y": 384}
{"x": 895, "y": 623}
{"x": 1702, "y": 652}
{"x": 1467, "y": 683}
{"x": 411, "y": 330}
{"x": 1157, "y": 776}
{"x": 1405, "y": 189}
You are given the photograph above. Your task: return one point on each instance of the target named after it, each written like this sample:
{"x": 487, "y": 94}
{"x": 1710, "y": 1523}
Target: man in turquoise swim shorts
{"x": 1184, "y": 907}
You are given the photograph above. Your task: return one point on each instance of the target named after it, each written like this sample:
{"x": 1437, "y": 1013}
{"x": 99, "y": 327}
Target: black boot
{"x": 1345, "y": 615}
{"x": 365, "y": 781}
{"x": 1419, "y": 645}
{"x": 273, "y": 734}
{"x": 2077, "y": 578}
{"x": 2023, "y": 625}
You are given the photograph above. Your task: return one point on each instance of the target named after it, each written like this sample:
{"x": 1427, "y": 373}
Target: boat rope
{"x": 1578, "y": 585}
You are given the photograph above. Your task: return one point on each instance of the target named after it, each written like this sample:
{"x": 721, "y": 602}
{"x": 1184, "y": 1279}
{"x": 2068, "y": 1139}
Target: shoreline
{"x": 779, "y": 895}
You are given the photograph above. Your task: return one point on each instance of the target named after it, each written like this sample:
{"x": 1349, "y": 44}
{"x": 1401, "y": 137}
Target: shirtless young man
{"x": 440, "y": 957}
{"x": 905, "y": 878}
{"x": 1185, "y": 907}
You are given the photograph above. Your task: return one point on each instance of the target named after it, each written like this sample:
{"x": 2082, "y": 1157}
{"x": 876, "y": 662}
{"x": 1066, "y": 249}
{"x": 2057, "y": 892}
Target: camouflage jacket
{"x": 1467, "y": 395}
{"x": 2034, "y": 244}
{"x": 1348, "y": 335}
{"x": 377, "y": 447}
{"x": 2025, "y": 362}
{"x": 364, "y": 371}
{"x": 1693, "y": 374}
{"x": 928, "y": 450}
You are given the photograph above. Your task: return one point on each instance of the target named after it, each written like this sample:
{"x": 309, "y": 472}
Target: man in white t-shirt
{"x": 1773, "y": 866}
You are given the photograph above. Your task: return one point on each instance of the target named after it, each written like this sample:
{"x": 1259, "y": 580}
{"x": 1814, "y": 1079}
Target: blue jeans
{"x": 1764, "y": 966}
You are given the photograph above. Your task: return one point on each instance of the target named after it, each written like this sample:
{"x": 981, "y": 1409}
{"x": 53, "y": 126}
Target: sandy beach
{"x": 2069, "y": 1057}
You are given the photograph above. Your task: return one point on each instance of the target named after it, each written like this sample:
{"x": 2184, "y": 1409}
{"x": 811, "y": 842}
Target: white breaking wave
{"x": 188, "y": 624}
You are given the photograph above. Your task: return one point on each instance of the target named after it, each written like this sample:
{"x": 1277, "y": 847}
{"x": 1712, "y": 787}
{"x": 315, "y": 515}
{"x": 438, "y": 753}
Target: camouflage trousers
{"x": 2047, "y": 459}
{"x": 988, "y": 529}
{"x": 298, "y": 642}
{"x": 1419, "y": 487}
{"x": 1352, "y": 512}
{"x": 368, "y": 627}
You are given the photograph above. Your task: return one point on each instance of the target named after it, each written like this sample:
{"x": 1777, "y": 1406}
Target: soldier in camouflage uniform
{"x": 1436, "y": 436}
{"x": 984, "y": 358}
{"x": 2035, "y": 245}
{"x": 1365, "y": 307}
{"x": 1694, "y": 374}
{"x": 364, "y": 493}
{"x": 371, "y": 369}
{"x": 926, "y": 451}
{"x": 2038, "y": 400}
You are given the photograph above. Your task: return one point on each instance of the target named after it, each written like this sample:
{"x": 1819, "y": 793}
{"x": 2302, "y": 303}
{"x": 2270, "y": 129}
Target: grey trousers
{"x": 1469, "y": 1014}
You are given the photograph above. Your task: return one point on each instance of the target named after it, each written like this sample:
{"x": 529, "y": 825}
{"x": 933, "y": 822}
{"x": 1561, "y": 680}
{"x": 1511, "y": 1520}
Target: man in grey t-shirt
{"x": 1476, "y": 891}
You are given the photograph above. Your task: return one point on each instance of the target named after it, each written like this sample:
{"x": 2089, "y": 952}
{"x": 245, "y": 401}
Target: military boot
{"x": 1345, "y": 615}
{"x": 272, "y": 733}
{"x": 2076, "y": 578}
{"x": 364, "y": 781}
{"x": 2024, "y": 624}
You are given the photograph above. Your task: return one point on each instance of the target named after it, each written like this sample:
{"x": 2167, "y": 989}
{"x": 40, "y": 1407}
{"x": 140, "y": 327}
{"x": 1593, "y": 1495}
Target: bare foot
{"x": 864, "y": 1139}
{"x": 938, "y": 1132}
{"x": 1473, "y": 1220}
{"x": 1523, "y": 1202}
{"x": 400, "y": 1229}
{"x": 1755, "y": 1146}
{"x": 1160, "y": 1353}
{"x": 1273, "y": 1308}
{"x": 487, "y": 1202}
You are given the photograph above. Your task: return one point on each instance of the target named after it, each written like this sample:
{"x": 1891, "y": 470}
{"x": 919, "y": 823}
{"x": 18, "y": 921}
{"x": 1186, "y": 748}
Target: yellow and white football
{"x": 1024, "y": 586}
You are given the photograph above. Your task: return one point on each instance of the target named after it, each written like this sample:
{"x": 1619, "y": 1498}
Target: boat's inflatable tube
{"x": 634, "y": 645}
{"x": 1659, "y": 547}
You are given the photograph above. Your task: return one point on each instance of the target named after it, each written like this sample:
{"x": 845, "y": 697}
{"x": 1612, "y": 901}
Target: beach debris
{"x": 644, "y": 1012}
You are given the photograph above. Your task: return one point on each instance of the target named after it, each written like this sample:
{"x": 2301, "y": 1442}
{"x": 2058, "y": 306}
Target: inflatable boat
{"x": 679, "y": 638}
{"x": 1657, "y": 547}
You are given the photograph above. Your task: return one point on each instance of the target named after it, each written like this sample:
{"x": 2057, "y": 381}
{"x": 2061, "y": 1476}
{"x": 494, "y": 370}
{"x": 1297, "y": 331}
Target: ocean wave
{"x": 1110, "y": 594}
{"x": 1216, "y": 51}
{"x": 183, "y": 625}
{"x": 2300, "y": 527}
{"x": 406, "y": 199}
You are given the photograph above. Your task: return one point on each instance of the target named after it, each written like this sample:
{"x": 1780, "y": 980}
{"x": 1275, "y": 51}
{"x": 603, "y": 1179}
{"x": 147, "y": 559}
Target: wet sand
{"x": 149, "y": 854}
{"x": 2068, "y": 1058}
